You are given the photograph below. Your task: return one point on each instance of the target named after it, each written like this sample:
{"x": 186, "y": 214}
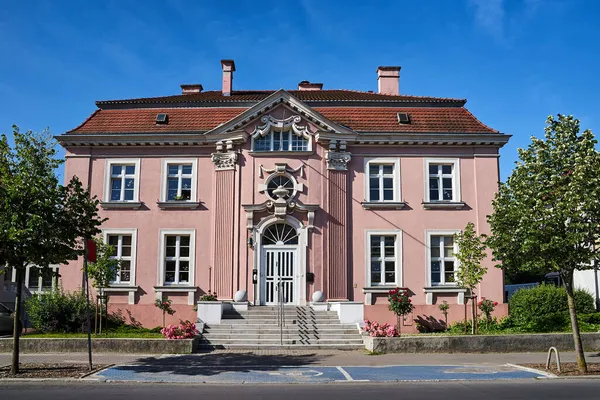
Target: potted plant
{"x": 210, "y": 310}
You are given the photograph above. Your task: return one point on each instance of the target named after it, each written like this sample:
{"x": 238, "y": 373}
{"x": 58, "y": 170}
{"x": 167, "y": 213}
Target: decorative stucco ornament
{"x": 240, "y": 296}
{"x": 281, "y": 125}
{"x": 318, "y": 297}
{"x": 224, "y": 161}
{"x": 338, "y": 160}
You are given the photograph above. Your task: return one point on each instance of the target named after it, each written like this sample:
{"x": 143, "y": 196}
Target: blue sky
{"x": 516, "y": 61}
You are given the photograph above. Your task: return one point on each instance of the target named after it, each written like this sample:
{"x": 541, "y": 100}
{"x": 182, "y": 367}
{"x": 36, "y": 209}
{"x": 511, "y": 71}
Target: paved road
{"x": 473, "y": 390}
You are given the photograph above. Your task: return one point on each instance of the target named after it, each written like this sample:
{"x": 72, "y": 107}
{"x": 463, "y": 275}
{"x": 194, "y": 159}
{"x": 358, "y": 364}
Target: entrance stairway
{"x": 304, "y": 329}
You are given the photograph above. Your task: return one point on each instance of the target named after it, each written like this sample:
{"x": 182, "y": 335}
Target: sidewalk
{"x": 297, "y": 358}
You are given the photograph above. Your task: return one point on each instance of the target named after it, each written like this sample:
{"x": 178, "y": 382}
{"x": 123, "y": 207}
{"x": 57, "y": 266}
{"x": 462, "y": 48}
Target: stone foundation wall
{"x": 117, "y": 345}
{"x": 480, "y": 344}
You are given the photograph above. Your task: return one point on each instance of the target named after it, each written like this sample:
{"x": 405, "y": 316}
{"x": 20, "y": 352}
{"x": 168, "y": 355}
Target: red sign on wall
{"x": 91, "y": 250}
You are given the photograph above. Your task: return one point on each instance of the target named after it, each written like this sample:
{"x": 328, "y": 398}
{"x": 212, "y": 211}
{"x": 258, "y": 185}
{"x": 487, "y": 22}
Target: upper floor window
{"x": 281, "y": 141}
{"x": 179, "y": 180}
{"x": 122, "y": 180}
{"x": 382, "y": 180}
{"x": 442, "y": 260}
{"x": 442, "y": 180}
{"x": 383, "y": 258}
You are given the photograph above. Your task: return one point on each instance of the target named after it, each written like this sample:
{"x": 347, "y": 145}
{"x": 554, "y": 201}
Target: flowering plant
{"x": 375, "y": 329}
{"x": 399, "y": 304}
{"x": 185, "y": 330}
{"x": 210, "y": 296}
{"x": 487, "y": 307}
{"x": 165, "y": 306}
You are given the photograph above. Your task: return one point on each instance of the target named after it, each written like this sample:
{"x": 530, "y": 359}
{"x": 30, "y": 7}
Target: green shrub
{"x": 57, "y": 312}
{"x": 544, "y": 308}
{"x": 590, "y": 318}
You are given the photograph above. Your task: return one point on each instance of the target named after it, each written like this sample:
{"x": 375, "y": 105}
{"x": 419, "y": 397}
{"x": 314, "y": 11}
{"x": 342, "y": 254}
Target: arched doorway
{"x": 281, "y": 262}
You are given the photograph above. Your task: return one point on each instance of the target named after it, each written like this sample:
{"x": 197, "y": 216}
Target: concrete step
{"x": 269, "y": 336}
{"x": 250, "y": 326}
{"x": 273, "y": 321}
{"x": 277, "y": 331}
{"x": 278, "y": 341}
{"x": 339, "y": 346}
{"x": 275, "y": 316}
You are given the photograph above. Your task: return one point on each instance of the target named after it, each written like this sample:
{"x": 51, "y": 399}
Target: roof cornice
{"x": 146, "y": 139}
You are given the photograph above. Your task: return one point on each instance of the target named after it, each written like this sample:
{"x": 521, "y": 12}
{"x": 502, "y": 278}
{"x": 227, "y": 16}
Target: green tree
{"x": 41, "y": 221}
{"x": 103, "y": 272}
{"x": 471, "y": 251}
{"x": 547, "y": 215}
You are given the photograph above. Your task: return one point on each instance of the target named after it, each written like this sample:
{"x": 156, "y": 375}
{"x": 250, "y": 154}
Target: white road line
{"x": 535, "y": 371}
{"x": 346, "y": 374}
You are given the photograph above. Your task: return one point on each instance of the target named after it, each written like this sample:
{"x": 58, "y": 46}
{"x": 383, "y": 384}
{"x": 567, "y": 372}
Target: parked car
{"x": 6, "y": 319}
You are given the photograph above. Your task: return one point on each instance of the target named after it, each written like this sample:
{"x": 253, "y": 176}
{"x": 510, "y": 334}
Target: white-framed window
{"x": 441, "y": 258}
{"x": 281, "y": 141}
{"x": 442, "y": 180}
{"x": 36, "y": 279}
{"x": 384, "y": 258}
{"x": 124, "y": 242}
{"x": 383, "y": 180}
{"x": 179, "y": 179}
{"x": 41, "y": 280}
{"x": 177, "y": 249}
{"x": 122, "y": 180}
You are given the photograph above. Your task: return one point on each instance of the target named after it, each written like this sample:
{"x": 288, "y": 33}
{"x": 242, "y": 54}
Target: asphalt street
{"x": 476, "y": 390}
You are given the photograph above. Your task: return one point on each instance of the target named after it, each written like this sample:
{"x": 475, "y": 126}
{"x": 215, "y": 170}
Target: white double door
{"x": 279, "y": 274}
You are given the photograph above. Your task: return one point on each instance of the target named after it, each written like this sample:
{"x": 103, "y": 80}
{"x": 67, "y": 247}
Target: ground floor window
{"x": 177, "y": 257}
{"x": 383, "y": 258}
{"x": 442, "y": 259}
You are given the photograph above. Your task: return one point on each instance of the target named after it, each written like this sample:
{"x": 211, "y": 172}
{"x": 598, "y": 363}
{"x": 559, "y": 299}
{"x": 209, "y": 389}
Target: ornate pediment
{"x": 271, "y": 124}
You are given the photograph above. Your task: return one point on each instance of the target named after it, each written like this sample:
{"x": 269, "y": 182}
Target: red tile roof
{"x": 302, "y": 95}
{"x": 365, "y": 119}
{"x": 422, "y": 119}
{"x": 138, "y": 120}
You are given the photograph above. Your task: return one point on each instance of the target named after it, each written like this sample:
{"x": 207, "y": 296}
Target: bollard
{"x": 550, "y": 357}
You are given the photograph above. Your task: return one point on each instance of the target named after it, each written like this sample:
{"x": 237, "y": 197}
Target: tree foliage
{"x": 547, "y": 215}
{"x": 471, "y": 251}
{"x": 41, "y": 221}
{"x": 103, "y": 271}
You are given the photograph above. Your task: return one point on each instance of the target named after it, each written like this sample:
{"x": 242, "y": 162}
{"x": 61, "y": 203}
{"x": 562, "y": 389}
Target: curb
{"x": 546, "y": 375}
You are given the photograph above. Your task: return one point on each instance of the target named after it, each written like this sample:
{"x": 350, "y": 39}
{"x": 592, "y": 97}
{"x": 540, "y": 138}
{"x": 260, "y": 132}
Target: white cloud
{"x": 489, "y": 15}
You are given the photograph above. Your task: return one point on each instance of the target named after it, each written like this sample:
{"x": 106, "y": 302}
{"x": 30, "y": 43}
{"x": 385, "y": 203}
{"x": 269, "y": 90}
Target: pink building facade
{"x": 337, "y": 195}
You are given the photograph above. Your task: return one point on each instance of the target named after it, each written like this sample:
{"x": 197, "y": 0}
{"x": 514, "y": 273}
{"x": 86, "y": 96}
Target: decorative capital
{"x": 224, "y": 161}
{"x": 338, "y": 160}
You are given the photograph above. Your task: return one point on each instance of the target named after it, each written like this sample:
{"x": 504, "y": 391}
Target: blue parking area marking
{"x": 437, "y": 373}
{"x": 223, "y": 374}
{"x": 308, "y": 374}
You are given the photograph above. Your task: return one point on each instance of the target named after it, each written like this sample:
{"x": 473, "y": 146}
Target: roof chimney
{"x": 388, "y": 80}
{"x": 306, "y": 85}
{"x": 228, "y": 70}
{"x": 191, "y": 89}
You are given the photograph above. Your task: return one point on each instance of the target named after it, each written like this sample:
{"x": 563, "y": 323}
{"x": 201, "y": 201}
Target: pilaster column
{"x": 225, "y": 160}
{"x": 337, "y": 173}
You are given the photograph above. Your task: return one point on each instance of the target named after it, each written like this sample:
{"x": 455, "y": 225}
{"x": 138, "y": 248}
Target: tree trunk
{"x": 466, "y": 321}
{"x": 14, "y": 367}
{"x": 398, "y": 320}
{"x": 574, "y": 324}
{"x": 473, "y": 315}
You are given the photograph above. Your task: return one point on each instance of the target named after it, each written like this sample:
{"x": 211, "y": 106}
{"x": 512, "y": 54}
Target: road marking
{"x": 348, "y": 377}
{"x": 535, "y": 371}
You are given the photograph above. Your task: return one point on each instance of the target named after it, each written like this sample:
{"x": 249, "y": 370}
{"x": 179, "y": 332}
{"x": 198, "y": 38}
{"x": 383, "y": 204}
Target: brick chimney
{"x": 228, "y": 70}
{"x": 388, "y": 80}
{"x": 306, "y": 85}
{"x": 191, "y": 89}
